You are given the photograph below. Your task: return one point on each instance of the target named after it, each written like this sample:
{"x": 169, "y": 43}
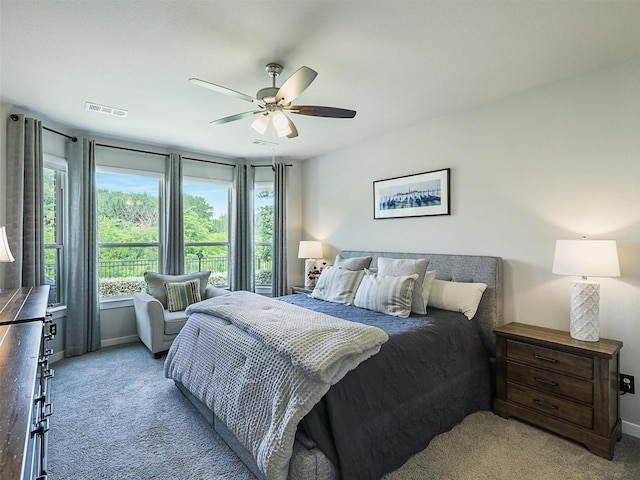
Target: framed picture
{"x": 418, "y": 195}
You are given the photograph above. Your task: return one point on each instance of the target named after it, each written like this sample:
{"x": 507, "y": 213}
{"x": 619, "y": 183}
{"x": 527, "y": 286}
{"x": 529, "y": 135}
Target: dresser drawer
{"x": 551, "y": 405}
{"x": 552, "y": 359}
{"x": 552, "y": 382}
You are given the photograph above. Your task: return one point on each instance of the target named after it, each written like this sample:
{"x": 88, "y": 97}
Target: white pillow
{"x": 457, "y": 296}
{"x": 401, "y": 267}
{"x": 390, "y": 295}
{"x": 427, "y": 284}
{"x": 337, "y": 285}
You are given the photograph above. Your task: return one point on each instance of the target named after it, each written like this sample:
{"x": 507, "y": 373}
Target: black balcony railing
{"x": 125, "y": 277}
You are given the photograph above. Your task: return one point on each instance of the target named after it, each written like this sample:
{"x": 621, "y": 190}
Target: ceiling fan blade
{"x": 294, "y": 130}
{"x": 295, "y": 85}
{"x": 316, "y": 111}
{"x": 233, "y": 118}
{"x": 225, "y": 91}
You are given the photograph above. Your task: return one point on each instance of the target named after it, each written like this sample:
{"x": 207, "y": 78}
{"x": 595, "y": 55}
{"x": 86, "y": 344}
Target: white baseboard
{"x": 57, "y": 356}
{"x": 118, "y": 341}
{"x": 631, "y": 429}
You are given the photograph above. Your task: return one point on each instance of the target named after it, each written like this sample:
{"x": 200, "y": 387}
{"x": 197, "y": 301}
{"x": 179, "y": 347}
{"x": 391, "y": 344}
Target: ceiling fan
{"x": 274, "y": 103}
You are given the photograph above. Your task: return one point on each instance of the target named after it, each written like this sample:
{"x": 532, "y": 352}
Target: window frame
{"x": 220, "y": 182}
{"x": 161, "y": 224}
{"x": 262, "y": 185}
{"x": 59, "y": 167}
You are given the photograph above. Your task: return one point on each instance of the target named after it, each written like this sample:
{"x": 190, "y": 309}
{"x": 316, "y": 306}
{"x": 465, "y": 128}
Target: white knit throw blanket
{"x": 275, "y": 363}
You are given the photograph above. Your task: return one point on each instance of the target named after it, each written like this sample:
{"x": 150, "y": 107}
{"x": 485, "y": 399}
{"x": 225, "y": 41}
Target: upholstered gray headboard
{"x": 461, "y": 268}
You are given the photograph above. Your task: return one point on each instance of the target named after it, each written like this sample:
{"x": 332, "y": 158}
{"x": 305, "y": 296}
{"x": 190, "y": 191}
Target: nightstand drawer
{"x": 552, "y": 359}
{"x": 552, "y": 382}
{"x": 550, "y": 405}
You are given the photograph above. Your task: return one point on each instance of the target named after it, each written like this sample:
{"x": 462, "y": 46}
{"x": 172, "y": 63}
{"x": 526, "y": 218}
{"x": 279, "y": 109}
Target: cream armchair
{"x": 157, "y": 326}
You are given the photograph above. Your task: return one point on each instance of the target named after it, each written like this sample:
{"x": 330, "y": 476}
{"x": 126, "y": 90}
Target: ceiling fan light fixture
{"x": 283, "y": 132}
{"x": 280, "y": 120}
{"x": 261, "y": 123}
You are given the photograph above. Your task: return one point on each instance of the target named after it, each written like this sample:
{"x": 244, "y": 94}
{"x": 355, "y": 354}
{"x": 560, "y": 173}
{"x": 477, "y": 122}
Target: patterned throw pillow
{"x": 390, "y": 295}
{"x": 181, "y": 295}
{"x": 155, "y": 283}
{"x": 337, "y": 285}
{"x": 401, "y": 267}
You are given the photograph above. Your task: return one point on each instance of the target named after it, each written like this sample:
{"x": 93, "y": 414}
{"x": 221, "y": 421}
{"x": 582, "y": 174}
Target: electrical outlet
{"x": 627, "y": 384}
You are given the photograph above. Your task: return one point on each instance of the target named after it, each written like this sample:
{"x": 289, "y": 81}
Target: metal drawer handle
{"x": 545, "y": 359}
{"x": 546, "y": 382}
{"x": 544, "y": 404}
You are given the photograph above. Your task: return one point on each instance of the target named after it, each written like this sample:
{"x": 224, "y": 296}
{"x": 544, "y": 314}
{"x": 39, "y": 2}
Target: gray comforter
{"x": 269, "y": 364}
{"x": 433, "y": 371}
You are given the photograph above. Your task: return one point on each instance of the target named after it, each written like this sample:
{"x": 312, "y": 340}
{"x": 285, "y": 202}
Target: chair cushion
{"x": 174, "y": 321}
{"x": 156, "y": 281}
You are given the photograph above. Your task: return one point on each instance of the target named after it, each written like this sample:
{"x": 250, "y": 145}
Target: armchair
{"x": 157, "y": 326}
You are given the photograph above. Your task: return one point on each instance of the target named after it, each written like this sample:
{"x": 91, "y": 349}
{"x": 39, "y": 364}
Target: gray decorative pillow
{"x": 182, "y": 294}
{"x": 353, "y": 263}
{"x": 337, "y": 285}
{"x": 390, "y": 295}
{"x": 401, "y": 267}
{"x": 156, "y": 281}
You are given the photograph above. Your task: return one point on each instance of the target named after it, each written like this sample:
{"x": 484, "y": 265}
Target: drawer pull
{"x": 546, "y": 382}
{"x": 545, "y": 359}
{"x": 544, "y": 404}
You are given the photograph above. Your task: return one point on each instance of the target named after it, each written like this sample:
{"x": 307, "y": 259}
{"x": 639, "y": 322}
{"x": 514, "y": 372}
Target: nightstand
{"x": 567, "y": 386}
{"x": 300, "y": 289}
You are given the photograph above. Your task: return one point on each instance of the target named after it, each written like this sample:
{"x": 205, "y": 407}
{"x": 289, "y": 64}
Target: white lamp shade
{"x": 5, "y": 251}
{"x": 261, "y": 123}
{"x": 586, "y": 258}
{"x": 310, "y": 249}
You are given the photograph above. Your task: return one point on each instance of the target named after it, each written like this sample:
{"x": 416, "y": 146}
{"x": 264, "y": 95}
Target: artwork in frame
{"x": 417, "y": 195}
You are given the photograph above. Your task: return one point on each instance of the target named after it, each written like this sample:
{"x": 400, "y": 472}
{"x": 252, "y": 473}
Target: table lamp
{"x": 5, "y": 251}
{"x": 309, "y": 250}
{"x": 586, "y": 258}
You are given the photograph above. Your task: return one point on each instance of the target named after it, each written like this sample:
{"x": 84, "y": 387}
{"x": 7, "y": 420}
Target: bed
{"x": 427, "y": 375}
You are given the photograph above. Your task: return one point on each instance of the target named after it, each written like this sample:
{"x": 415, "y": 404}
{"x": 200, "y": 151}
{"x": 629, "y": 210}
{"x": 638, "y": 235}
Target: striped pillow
{"x": 385, "y": 294}
{"x": 337, "y": 285}
{"x": 181, "y": 295}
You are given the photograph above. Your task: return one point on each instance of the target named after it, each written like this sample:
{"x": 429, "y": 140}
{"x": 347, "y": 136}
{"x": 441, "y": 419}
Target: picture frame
{"x": 417, "y": 195}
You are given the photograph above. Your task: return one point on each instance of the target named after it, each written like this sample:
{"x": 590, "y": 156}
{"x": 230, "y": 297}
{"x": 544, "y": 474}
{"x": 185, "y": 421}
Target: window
{"x": 206, "y": 227}
{"x": 128, "y": 229}
{"x": 263, "y": 232}
{"x": 54, "y": 189}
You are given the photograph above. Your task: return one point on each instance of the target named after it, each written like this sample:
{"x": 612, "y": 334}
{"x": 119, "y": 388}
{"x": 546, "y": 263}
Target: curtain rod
{"x": 15, "y": 118}
{"x": 131, "y": 149}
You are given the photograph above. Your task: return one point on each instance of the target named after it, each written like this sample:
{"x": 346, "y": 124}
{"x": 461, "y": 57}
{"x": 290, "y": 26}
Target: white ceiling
{"x": 397, "y": 63}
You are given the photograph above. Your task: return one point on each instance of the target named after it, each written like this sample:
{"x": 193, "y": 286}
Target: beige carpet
{"x": 485, "y": 446}
{"x": 117, "y": 417}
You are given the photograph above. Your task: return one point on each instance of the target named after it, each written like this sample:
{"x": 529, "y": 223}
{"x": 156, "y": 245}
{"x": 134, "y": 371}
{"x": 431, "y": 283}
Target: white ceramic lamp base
{"x": 585, "y": 311}
{"x": 309, "y": 263}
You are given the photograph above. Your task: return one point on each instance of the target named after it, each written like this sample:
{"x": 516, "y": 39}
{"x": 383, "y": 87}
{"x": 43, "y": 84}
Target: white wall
{"x": 552, "y": 163}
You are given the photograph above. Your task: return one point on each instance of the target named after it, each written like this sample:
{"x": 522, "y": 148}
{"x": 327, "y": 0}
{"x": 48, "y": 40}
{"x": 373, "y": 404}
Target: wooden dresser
{"x": 25, "y": 376}
{"x": 567, "y": 386}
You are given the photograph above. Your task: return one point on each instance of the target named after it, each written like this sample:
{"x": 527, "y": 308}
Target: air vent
{"x": 116, "y": 112}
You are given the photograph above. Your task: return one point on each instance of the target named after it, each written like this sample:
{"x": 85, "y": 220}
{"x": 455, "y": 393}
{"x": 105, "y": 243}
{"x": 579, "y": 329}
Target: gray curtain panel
{"x": 242, "y": 261}
{"x": 279, "y": 279}
{"x": 25, "y": 222}
{"x": 82, "y": 333}
{"x": 173, "y": 255}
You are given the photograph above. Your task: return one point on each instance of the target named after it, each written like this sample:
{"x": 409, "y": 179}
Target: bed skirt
{"x": 307, "y": 461}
